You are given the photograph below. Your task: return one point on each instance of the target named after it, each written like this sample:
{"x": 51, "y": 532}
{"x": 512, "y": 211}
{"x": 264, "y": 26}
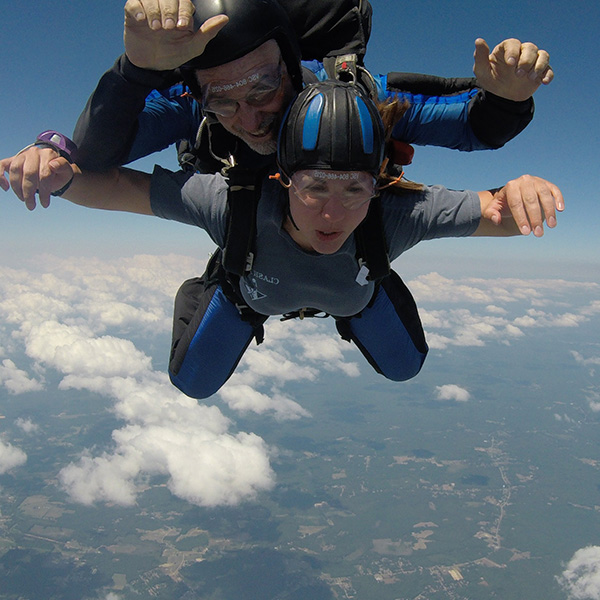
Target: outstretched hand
{"x": 528, "y": 200}
{"x": 513, "y": 70}
{"x": 34, "y": 171}
{"x": 159, "y": 34}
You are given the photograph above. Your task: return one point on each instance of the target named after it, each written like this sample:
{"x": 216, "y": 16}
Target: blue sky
{"x": 59, "y": 50}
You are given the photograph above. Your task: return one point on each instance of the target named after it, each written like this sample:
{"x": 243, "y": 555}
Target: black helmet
{"x": 251, "y": 24}
{"x": 331, "y": 125}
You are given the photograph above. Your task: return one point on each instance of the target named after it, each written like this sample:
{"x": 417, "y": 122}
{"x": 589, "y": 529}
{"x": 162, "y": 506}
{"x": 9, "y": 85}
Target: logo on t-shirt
{"x": 251, "y": 284}
{"x": 252, "y": 289}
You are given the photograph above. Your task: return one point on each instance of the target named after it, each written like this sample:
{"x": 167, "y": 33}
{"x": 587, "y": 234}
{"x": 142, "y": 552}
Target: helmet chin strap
{"x": 287, "y": 185}
{"x": 289, "y": 216}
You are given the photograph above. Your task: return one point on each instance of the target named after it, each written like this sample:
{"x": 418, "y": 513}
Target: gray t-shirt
{"x": 285, "y": 277}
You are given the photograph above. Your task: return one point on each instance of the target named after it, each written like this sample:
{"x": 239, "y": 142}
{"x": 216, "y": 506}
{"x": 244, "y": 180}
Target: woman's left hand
{"x": 529, "y": 200}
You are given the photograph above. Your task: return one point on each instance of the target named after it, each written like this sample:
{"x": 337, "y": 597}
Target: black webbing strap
{"x": 242, "y": 200}
{"x": 429, "y": 85}
{"x": 303, "y": 313}
{"x": 371, "y": 246}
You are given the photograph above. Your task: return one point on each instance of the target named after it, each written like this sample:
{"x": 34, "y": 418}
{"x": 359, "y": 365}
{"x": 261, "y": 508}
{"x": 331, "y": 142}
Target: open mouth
{"x": 260, "y": 134}
{"x": 267, "y": 128}
{"x": 328, "y": 236}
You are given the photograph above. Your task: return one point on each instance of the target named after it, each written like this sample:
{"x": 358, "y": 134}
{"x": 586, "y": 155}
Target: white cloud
{"x": 27, "y": 425}
{"x": 326, "y": 350}
{"x": 323, "y": 350}
{"x": 593, "y": 399}
{"x": 586, "y": 362}
{"x": 243, "y": 398}
{"x": 561, "y": 418}
{"x": 171, "y": 435}
{"x": 202, "y": 468}
{"x": 11, "y": 457}
{"x": 433, "y": 287}
{"x": 513, "y": 331}
{"x": 581, "y": 577}
{"x": 15, "y": 380}
{"x": 463, "y": 327}
{"x": 292, "y": 351}
{"x": 592, "y": 309}
{"x": 266, "y": 363}
{"x": 452, "y": 392}
{"x": 498, "y": 310}
{"x": 75, "y": 349}
{"x": 538, "y": 318}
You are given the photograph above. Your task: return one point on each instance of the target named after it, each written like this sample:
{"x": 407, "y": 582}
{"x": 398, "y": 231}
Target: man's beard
{"x": 269, "y": 146}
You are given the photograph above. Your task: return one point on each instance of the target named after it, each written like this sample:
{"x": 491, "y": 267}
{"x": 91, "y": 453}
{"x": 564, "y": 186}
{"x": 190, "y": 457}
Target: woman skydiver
{"x": 305, "y": 256}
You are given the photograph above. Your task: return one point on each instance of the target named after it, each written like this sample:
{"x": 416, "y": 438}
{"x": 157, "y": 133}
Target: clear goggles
{"x": 261, "y": 86}
{"x": 315, "y": 188}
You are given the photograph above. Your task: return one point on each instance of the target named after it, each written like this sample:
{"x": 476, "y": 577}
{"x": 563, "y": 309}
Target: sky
{"x": 59, "y": 50}
{"x": 77, "y": 286}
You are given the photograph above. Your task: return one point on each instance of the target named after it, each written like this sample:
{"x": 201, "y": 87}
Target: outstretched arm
{"x": 478, "y": 113}
{"x": 508, "y": 77}
{"x": 159, "y": 37}
{"x": 121, "y": 189}
{"x": 520, "y": 207}
{"x": 513, "y": 70}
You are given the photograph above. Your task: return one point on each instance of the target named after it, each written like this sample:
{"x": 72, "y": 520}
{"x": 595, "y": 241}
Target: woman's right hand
{"x": 36, "y": 170}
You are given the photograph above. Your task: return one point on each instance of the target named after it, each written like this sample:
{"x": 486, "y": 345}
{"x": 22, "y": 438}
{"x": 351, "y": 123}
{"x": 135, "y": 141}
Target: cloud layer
{"x": 87, "y": 320}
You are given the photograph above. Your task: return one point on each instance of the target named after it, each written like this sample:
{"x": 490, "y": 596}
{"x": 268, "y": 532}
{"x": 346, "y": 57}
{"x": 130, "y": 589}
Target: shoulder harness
{"x": 244, "y": 189}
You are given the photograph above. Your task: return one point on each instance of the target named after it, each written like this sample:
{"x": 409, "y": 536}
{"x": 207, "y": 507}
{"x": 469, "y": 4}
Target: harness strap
{"x": 371, "y": 246}
{"x": 242, "y": 200}
{"x": 303, "y": 313}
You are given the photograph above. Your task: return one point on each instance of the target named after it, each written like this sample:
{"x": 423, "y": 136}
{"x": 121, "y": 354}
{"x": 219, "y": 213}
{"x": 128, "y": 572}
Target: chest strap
{"x": 242, "y": 201}
{"x": 371, "y": 246}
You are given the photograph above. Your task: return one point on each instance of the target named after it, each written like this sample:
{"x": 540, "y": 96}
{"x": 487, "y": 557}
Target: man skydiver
{"x": 110, "y": 132}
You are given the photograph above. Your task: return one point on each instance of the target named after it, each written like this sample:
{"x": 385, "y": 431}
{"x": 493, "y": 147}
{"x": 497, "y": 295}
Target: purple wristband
{"x": 61, "y": 143}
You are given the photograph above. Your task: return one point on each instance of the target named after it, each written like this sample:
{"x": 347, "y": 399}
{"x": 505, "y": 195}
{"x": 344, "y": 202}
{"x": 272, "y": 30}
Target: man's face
{"x": 249, "y": 95}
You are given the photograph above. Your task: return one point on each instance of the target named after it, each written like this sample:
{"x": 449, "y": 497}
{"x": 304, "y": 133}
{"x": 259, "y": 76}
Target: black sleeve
{"x": 495, "y": 120}
{"x": 429, "y": 85}
{"x": 107, "y": 126}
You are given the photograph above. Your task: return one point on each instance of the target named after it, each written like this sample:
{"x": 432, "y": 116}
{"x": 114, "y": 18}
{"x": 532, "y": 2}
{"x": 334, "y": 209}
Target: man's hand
{"x": 528, "y": 200}
{"x": 35, "y": 170}
{"x": 159, "y": 34}
{"x": 513, "y": 70}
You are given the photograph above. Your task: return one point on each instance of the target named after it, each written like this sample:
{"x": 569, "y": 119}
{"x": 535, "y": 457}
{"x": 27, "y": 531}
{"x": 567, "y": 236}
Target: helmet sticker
{"x": 312, "y": 123}
{"x": 366, "y": 125}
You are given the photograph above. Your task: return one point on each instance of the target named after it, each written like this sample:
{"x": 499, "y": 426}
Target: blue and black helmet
{"x": 251, "y": 24}
{"x": 334, "y": 126}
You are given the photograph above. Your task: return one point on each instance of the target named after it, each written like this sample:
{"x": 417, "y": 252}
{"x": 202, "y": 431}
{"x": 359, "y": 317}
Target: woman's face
{"x": 327, "y": 206}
